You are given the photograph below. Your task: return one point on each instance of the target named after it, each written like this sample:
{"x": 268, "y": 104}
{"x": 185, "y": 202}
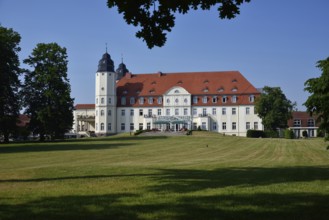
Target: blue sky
{"x": 272, "y": 42}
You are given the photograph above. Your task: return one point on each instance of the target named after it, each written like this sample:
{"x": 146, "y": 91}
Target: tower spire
{"x": 121, "y": 57}
{"x": 106, "y": 47}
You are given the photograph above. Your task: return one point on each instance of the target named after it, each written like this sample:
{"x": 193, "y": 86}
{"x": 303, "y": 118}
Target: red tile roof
{"x": 23, "y": 120}
{"x": 196, "y": 83}
{"x": 303, "y": 117}
{"x": 85, "y": 106}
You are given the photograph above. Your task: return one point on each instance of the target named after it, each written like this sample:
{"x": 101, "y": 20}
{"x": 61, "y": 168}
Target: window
{"x": 233, "y": 125}
{"x": 140, "y": 126}
{"x": 96, "y": 127}
{"x": 176, "y": 111}
{"x": 140, "y": 112}
{"x": 150, "y": 112}
{"x": 204, "y": 126}
{"x": 176, "y": 101}
{"x": 131, "y": 126}
{"x": 185, "y": 100}
{"x": 132, "y": 100}
{"x": 195, "y": 99}
{"x": 195, "y": 126}
{"x": 214, "y": 111}
{"x": 96, "y": 100}
{"x": 159, "y": 111}
{"x": 160, "y": 100}
{"x": 247, "y": 110}
{"x": 233, "y": 111}
{"x": 176, "y": 91}
{"x": 234, "y": 98}
{"x": 256, "y": 125}
{"x": 150, "y": 100}
{"x": 123, "y": 126}
{"x": 102, "y": 100}
{"x": 204, "y": 111}
{"x": 123, "y": 112}
{"x": 194, "y": 111}
{"x": 148, "y": 126}
{"x": 247, "y": 125}
{"x": 123, "y": 100}
{"x": 102, "y": 126}
{"x": 310, "y": 122}
{"x": 96, "y": 112}
{"x": 214, "y": 126}
{"x": 110, "y": 101}
{"x": 297, "y": 122}
{"x": 224, "y": 125}
{"x": 167, "y": 111}
{"x": 109, "y": 112}
{"x": 168, "y": 100}
{"x": 131, "y": 112}
{"x": 214, "y": 99}
{"x": 251, "y": 98}
{"x": 204, "y": 99}
{"x": 102, "y": 112}
{"x": 224, "y": 99}
{"x": 223, "y": 111}
{"x": 109, "y": 126}
{"x": 141, "y": 100}
{"x": 185, "y": 111}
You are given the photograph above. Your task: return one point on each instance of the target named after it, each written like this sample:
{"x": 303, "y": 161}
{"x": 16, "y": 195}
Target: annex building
{"x": 216, "y": 101}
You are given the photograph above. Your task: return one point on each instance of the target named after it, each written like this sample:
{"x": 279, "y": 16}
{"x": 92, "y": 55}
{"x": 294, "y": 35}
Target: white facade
{"x": 120, "y": 107}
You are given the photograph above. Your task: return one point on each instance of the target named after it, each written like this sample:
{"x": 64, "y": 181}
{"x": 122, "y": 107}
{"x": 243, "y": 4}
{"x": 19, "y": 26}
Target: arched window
{"x": 102, "y": 100}
{"x": 102, "y": 126}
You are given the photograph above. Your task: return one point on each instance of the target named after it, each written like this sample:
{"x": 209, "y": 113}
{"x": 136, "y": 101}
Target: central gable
{"x": 177, "y": 90}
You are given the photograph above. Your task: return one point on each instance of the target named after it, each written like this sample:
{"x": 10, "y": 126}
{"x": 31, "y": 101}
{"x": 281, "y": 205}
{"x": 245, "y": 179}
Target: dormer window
{"x": 251, "y": 98}
{"x": 152, "y": 91}
{"x": 214, "y": 99}
{"x": 132, "y": 100}
{"x": 180, "y": 82}
{"x": 204, "y": 99}
{"x": 221, "y": 89}
{"x": 234, "y": 89}
{"x": 141, "y": 100}
{"x": 195, "y": 99}
{"x": 234, "y": 99}
{"x": 234, "y": 81}
{"x": 138, "y": 91}
{"x": 224, "y": 99}
{"x": 153, "y": 83}
{"x": 206, "y": 81}
{"x": 125, "y": 92}
{"x": 205, "y": 89}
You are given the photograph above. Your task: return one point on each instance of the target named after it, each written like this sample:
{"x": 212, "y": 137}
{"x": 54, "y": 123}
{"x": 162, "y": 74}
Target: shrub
{"x": 189, "y": 132}
{"x": 255, "y": 134}
{"x": 288, "y": 134}
{"x": 139, "y": 132}
{"x": 271, "y": 134}
{"x": 199, "y": 128}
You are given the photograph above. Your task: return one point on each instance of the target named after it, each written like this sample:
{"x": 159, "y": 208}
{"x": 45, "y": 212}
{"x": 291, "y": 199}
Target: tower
{"x": 105, "y": 107}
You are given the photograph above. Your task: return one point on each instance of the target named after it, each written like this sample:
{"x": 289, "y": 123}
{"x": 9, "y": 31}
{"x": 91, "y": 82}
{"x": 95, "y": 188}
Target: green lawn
{"x": 204, "y": 176}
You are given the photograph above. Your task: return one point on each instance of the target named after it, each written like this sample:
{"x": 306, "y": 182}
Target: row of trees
{"x": 45, "y": 93}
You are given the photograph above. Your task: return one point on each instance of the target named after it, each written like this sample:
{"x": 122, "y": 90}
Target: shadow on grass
{"x": 180, "y": 180}
{"x": 91, "y": 177}
{"x": 128, "y": 206}
{"x": 62, "y": 146}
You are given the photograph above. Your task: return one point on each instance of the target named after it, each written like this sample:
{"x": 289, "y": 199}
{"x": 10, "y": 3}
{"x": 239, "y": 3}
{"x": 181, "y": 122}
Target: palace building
{"x": 220, "y": 101}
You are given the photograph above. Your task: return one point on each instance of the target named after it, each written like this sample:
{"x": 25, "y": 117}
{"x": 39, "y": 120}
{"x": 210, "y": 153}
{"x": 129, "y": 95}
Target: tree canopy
{"x": 47, "y": 91}
{"x": 273, "y": 108}
{"x": 157, "y": 17}
{"x": 9, "y": 81}
{"x": 318, "y": 101}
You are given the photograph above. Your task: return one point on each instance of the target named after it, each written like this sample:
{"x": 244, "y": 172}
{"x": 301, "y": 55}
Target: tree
{"x": 47, "y": 90}
{"x": 273, "y": 108}
{"x": 9, "y": 81}
{"x": 318, "y": 102}
{"x": 156, "y": 17}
